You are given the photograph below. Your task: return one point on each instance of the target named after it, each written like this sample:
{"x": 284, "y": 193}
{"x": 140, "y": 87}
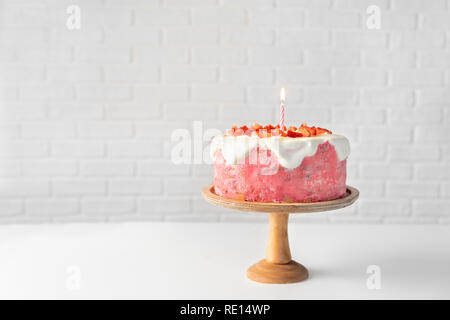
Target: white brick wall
{"x": 86, "y": 115}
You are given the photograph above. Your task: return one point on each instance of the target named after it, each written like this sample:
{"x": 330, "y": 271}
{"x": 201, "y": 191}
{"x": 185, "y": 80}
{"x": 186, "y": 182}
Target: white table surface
{"x": 209, "y": 260}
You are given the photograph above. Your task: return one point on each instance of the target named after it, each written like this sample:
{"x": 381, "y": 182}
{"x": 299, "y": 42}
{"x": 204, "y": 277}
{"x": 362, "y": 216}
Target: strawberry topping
{"x": 268, "y": 131}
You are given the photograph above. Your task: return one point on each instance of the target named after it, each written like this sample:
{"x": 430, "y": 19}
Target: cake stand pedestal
{"x": 278, "y": 267}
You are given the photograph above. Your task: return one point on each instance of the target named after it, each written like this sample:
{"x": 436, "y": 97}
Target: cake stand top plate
{"x": 349, "y": 198}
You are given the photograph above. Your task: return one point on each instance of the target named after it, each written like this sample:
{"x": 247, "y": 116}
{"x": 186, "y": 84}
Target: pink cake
{"x": 304, "y": 164}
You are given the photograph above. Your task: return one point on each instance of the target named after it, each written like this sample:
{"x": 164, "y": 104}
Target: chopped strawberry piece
{"x": 238, "y": 132}
{"x": 276, "y": 132}
{"x": 264, "y": 134}
{"x": 245, "y": 128}
{"x": 293, "y": 134}
{"x": 249, "y": 132}
{"x": 312, "y": 132}
{"x": 304, "y": 132}
{"x": 269, "y": 127}
{"x": 256, "y": 126}
{"x": 321, "y": 131}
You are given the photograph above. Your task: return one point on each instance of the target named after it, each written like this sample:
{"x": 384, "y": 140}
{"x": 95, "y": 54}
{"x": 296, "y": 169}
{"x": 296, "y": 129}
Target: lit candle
{"x": 282, "y": 98}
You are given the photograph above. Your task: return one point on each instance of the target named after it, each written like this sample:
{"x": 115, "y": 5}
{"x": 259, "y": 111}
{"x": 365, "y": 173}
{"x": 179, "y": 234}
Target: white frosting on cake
{"x": 289, "y": 151}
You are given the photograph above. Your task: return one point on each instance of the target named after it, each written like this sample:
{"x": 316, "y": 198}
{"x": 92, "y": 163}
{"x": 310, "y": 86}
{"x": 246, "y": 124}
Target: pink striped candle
{"x": 282, "y": 98}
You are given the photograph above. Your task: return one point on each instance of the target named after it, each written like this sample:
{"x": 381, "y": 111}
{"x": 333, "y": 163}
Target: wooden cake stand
{"x": 278, "y": 267}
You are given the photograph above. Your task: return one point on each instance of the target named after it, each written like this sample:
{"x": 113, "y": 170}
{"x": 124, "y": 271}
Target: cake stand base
{"x": 267, "y": 272}
{"x": 278, "y": 267}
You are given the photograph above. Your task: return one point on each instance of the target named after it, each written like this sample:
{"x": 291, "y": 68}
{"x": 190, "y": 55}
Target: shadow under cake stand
{"x": 278, "y": 267}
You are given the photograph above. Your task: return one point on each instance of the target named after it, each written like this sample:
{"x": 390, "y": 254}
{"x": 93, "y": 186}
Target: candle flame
{"x": 283, "y": 94}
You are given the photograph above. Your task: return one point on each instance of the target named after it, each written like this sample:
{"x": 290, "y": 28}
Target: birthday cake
{"x": 270, "y": 164}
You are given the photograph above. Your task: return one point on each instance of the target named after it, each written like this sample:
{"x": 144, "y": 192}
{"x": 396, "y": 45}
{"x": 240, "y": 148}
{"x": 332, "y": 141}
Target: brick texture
{"x": 86, "y": 116}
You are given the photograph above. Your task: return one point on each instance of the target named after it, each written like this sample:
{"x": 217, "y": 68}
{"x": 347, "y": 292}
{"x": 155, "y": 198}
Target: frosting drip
{"x": 289, "y": 151}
